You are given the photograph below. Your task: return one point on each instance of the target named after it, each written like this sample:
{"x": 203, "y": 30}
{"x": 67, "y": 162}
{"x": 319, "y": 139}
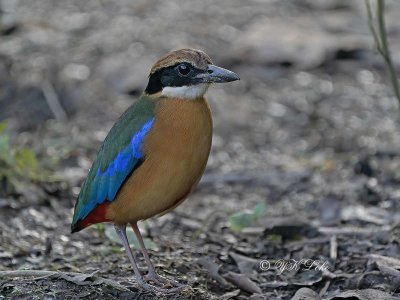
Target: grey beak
{"x": 216, "y": 74}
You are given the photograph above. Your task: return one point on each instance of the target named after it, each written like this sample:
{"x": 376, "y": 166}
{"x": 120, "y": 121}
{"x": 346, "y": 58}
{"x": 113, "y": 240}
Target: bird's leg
{"x": 151, "y": 270}
{"x": 152, "y": 274}
{"x": 121, "y": 231}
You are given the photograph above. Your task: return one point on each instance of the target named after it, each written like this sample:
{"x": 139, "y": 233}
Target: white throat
{"x": 186, "y": 91}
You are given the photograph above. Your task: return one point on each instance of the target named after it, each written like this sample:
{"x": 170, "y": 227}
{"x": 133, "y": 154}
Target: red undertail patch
{"x": 97, "y": 215}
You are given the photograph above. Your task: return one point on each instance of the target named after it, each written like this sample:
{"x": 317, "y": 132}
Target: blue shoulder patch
{"x": 132, "y": 151}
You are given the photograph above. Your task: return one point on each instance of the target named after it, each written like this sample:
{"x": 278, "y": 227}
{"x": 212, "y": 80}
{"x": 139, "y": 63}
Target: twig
{"x": 251, "y": 177}
{"x": 381, "y": 41}
{"x": 53, "y": 102}
{"x": 1, "y": 16}
{"x": 333, "y": 249}
{"x": 385, "y": 51}
{"x": 353, "y": 230}
{"x": 34, "y": 273}
{"x": 40, "y": 274}
{"x": 371, "y": 24}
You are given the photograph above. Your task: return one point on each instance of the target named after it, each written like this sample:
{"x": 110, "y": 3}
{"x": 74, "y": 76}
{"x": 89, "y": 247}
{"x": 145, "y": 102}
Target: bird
{"x": 154, "y": 155}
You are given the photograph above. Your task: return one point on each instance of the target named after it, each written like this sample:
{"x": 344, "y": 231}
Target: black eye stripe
{"x": 172, "y": 76}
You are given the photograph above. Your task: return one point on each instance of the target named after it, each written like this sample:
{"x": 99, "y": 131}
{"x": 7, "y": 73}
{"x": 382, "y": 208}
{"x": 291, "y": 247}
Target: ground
{"x": 305, "y": 145}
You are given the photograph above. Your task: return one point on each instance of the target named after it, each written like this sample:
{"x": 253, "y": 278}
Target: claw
{"x": 167, "y": 286}
{"x": 162, "y": 280}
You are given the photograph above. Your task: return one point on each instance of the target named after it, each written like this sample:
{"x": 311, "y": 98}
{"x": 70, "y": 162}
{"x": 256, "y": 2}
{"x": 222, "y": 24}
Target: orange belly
{"x": 175, "y": 155}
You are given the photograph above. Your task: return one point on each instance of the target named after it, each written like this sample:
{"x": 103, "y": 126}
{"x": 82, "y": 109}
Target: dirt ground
{"x": 310, "y": 131}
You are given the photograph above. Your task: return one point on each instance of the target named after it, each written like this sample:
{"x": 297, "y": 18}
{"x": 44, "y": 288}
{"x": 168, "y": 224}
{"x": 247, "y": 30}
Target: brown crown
{"x": 197, "y": 58}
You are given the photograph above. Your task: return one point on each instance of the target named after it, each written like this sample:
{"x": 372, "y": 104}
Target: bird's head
{"x": 185, "y": 73}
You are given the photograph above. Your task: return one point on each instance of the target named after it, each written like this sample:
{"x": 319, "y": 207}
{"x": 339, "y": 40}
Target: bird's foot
{"x": 163, "y": 288}
{"x": 164, "y": 283}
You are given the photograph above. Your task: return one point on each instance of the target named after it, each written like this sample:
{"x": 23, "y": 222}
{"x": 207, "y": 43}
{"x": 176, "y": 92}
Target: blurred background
{"x": 304, "y": 164}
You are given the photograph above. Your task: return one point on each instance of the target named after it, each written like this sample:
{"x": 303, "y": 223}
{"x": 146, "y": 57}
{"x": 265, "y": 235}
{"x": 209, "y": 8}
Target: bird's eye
{"x": 183, "y": 69}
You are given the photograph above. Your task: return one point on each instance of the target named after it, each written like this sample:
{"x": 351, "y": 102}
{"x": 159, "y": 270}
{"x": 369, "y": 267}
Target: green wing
{"x": 119, "y": 155}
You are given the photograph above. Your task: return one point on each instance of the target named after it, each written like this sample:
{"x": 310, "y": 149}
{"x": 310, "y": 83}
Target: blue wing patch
{"x": 107, "y": 183}
{"x": 133, "y": 150}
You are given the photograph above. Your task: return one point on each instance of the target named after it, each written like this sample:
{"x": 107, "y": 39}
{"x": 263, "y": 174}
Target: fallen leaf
{"x": 306, "y": 294}
{"x": 243, "y": 282}
{"x": 81, "y": 279}
{"x": 3, "y": 126}
{"x": 386, "y": 260}
{"x": 245, "y": 218}
{"x": 330, "y": 209}
{"x": 244, "y": 263}
{"x": 290, "y": 228}
{"x": 388, "y": 271}
{"x": 367, "y": 294}
{"x": 306, "y": 277}
{"x": 274, "y": 284}
{"x": 373, "y": 214}
{"x": 230, "y": 295}
{"x": 213, "y": 269}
